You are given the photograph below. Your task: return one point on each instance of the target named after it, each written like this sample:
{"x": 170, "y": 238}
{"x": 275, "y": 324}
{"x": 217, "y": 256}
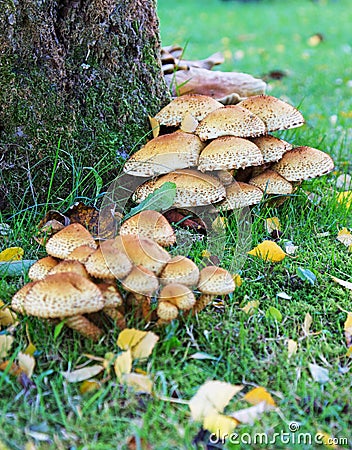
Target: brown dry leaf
{"x": 348, "y": 330}
{"x": 291, "y": 347}
{"x": 140, "y": 342}
{"x": 88, "y": 216}
{"x": 268, "y": 251}
{"x": 250, "y": 307}
{"x": 345, "y": 237}
{"x": 319, "y": 374}
{"x": 258, "y": 395}
{"x": 272, "y": 224}
{"x": 346, "y": 284}
{"x": 26, "y": 363}
{"x": 123, "y": 364}
{"x": 140, "y": 383}
{"x": 83, "y": 374}
{"x": 7, "y": 316}
{"x": 251, "y": 414}
{"x": 13, "y": 370}
{"x": 132, "y": 444}
{"x": 89, "y": 386}
{"x": 211, "y": 398}
{"x": 11, "y": 254}
{"x": 189, "y": 123}
{"x": 220, "y": 424}
{"x": 155, "y": 126}
{"x": 5, "y": 345}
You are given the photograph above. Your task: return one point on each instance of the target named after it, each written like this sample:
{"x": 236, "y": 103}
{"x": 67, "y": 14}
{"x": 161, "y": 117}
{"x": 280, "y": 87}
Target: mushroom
{"x": 303, "y": 163}
{"x": 271, "y": 147}
{"x": 213, "y": 281}
{"x": 275, "y": 113}
{"x": 81, "y": 253}
{"x": 229, "y": 152}
{"x": 63, "y": 296}
{"x": 61, "y": 244}
{"x": 173, "y": 297}
{"x": 240, "y": 195}
{"x": 150, "y": 224}
{"x": 164, "y": 154}
{"x": 41, "y": 268}
{"x": 69, "y": 266}
{"x": 180, "y": 270}
{"x": 272, "y": 183}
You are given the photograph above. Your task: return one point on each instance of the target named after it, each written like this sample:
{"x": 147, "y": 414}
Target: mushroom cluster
{"x": 81, "y": 276}
{"x": 227, "y": 155}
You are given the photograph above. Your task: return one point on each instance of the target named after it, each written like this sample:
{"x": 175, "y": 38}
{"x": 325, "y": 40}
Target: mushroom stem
{"x": 84, "y": 326}
{"x": 144, "y": 301}
{"x": 202, "y": 301}
{"x": 116, "y": 315}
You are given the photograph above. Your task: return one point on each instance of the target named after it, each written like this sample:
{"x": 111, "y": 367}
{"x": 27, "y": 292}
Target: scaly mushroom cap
{"x": 81, "y": 253}
{"x": 41, "y": 268}
{"x": 216, "y": 281}
{"x": 141, "y": 281}
{"x": 70, "y": 266}
{"x": 229, "y": 152}
{"x": 180, "y": 270}
{"x": 271, "y": 147}
{"x": 164, "y": 154}
{"x": 240, "y": 195}
{"x": 143, "y": 251}
{"x": 108, "y": 261}
{"x": 303, "y": 163}
{"x": 193, "y": 188}
{"x": 167, "y": 311}
{"x": 197, "y": 105}
{"x": 150, "y": 224}
{"x": 275, "y": 113}
{"x": 61, "y": 244}
{"x": 18, "y": 299}
{"x": 111, "y": 295}
{"x": 271, "y": 182}
{"x": 231, "y": 120}
{"x": 178, "y": 295}
{"x": 63, "y": 295}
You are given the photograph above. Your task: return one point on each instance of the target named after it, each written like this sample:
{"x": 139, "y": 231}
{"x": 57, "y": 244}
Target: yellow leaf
{"x": 11, "y": 254}
{"x": 140, "y": 383}
{"x": 345, "y": 198}
{"x": 306, "y": 324}
{"x": 89, "y": 386}
{"x": 348, "y": 330}
{"x": 206, "y": 254}
{"x": 349, "y": 352}
{"x": 237, "y": 279}
{"x": 324, "y": 438}
{"x": 291, "y": 347}
{"x": 251, "y": 414}
{"x": 141, "y": 343}
{"x": 83, "y": 374}
{"x": 272, "y": 224}
{"x": 155, "y": 126}
{"x": 346, "y": 284}
{"x": 250, "y": 307}
{"x": 219, "y": 424}
{"x": 30, "y": 349}
{"x": 189, "y": 123}
{"x": 123, "y": 363}
{"x": 258, "y": 395}
{"x": 345, "y": 237}
{"x": 268, "y": 251}
{"x": 211, "y": 398}
{"x": 7, "y": 317}
{"x": 5, "y": 344}
{"x": 26, "y": 363}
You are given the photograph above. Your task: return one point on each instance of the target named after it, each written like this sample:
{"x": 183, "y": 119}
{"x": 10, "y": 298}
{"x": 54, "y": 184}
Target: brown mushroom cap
{"x": 275, "y": 113}
{"x": 63, "y": 295}
{"x": 193, "y": 188}
{"x": 240, "y": 195}
{"x": 303, "y": 163}
{"x": 197, "y": 105}
{"x": 178, "y": 295}
{"x": 164, "y": 154}
{"x": 229, "y": 152}
{"x": 232, "y": 120}
{"x": 271, "y": 182}
{"x": 150, "y": 224}
{"x": 81, "y": 253}
{"x": 41, "y": 268}
{"x": 216, "y": 281}
{"x": 19, "y": 298}
{"x": 61, "y": 244}
{"x": 70, "y": 266}
{"x": 271, "y": 147}
{"x": 180, "y": 270}
{"x": 109, "y": 261}
{"x": 141, "y": 281}
{"x": 167, "y": 311}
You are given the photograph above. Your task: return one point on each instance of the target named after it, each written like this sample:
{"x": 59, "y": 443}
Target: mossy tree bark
{"x": 78, "y": 80}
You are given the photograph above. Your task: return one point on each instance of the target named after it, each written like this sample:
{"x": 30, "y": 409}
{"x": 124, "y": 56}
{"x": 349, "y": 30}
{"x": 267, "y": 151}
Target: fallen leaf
{"x": 7, "y": 316}
{"x": 319, "y": 374}
{"x": 83, "y": 374}
{"x": 258, "y": 395}
{"x": 26, "y": 363}
{"x": 237, "y": 279}
{"x": 12, "y": 368}
{"x": 346, "y": 284}
{"x": 202, "y": 355}
{"x": 345, "y": 198}
{"x": 140, "y": 383}
{"x": 307, "y": 324}
{"x": 219, "y": 224}
{"x": 220, "y": 424}
{"x": 123, "y": 364}
{"x": 155, "y": 126}
{"x": 89, "y": 386}
{"x": 291, "y": 347}
{"x": 251, "y": 306}
{"x": 344, "y": 181}
{"x": 211, "y": 398}
{"x": 306, "y": 275}
{"x": 345, "y": 237}
{"x": 272, "y": 224}
{"x": 5, "y": 344}
{"x": 273, "y": 313}
{"x": 11, "y": 254}
{"x": 251, "y": 414}
{"x": 140, "y": 342}
{"x": 324, "y": 438}
{"x": 290, "y": 248}
{"x": 284, "y": 296}
{"x": 268, "y": 251}
{"x": 348, "y": 330}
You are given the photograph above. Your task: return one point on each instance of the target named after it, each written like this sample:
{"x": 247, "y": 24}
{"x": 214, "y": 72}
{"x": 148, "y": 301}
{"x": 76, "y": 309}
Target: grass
{"x": 251, "y": 349}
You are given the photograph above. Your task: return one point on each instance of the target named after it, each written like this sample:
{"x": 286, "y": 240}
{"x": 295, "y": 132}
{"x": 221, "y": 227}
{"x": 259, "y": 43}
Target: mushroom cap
{"x": 111, "y": 295}
{"x": 275, "y": 113}
{"x": 41, "y": 268}
{"x": 63, "y": 295}
{"x": 232, "y": 120}
{"x": 271, "y": 182}
{"x": 216, "y": 281}
{"x": 177, "y": 294}
{"x": 18, "y": 299}
{"x": 303, "y": 163}
{"x": 141, "y": 281}
{"x": 108, "y": 261}
{"x": 193, "y": 188}
{"x": 167, "y": 311}
{"x": 197, "y": 105}
{"x": 240, "y": 195}
{"x": 180, "y": 270}
{"x": 164, "y": 154}
{"x": 150, "y": 224}
{"x": 61, "y": 244}
{"x": 81, "y": 253}
{"x": 229, "y": 152}
{"x": 70, "y": 266}
{"x": 271, "y": 147}
{"x": 143, "y": 251}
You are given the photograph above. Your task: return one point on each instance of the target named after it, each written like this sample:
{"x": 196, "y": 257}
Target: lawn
{"x": 310, "y": 42}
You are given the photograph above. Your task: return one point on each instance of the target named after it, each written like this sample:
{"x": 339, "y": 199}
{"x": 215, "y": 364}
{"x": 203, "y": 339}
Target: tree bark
{"x": 78, "y": 79}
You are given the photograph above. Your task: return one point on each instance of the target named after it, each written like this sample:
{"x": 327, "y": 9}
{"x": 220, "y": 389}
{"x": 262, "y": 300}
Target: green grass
{"x": 251, "y": 350}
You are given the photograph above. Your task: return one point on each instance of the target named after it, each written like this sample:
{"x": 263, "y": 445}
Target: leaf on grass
{"x": 30, "y": 349}
{"x": 326, "y": 439}
{"x": 291, "y": 347}
{"x": 5, "y": 345}
{"x": 346, "y": 284}
{"x": 345, "y": 237}
{"x": 123, "y": 364}
{"x": 268, "y": 251}
{"x": 308, "y": 320}
{"x": 7, "y": 316}
{"x": 189, "y": 123}
{"x": 273, "y": 313}
{"x": 306, "y": 275}
{"x": 140, "y": 342}
{"x": 89, "y": 386}
{"x": 137, "y": 443}
{"x": 258, "y": 395}
{"x": 250, "y": 307}
{"x": 140, "y": 383}
{"x": 155, "y": 126}
{"x": 345, "y": 198}
{"x": 319, "y": 374}
{"x": 284, "y": 296}
{"x": 159, "y": 200}
{"x": 11, "y": 254}
{"x": 202, "y": 355}
{"x": 220, "y": 424}
{"x": 290, "y": 248}
{"x": 26, "y": 363}
{"x": 83, "y": 374}
{"x": 251, "y": 414}
{"x": 211, "y": 398}
{"x": 237, "y": 279}
{"x": 272, "y": 224}
{"x": 348, "y": 330}
{"x": 12, "y": 368}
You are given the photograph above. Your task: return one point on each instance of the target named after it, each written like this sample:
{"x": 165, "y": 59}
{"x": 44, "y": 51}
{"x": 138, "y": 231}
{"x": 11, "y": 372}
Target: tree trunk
{"x": 78, "y": 79}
